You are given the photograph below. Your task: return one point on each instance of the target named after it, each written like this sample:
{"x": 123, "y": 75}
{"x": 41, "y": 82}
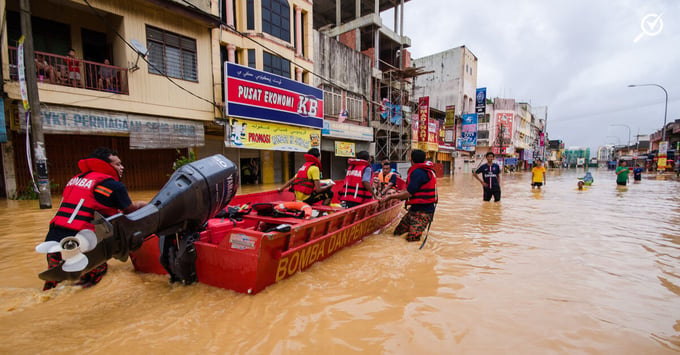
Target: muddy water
{"x": 560, "y": 271}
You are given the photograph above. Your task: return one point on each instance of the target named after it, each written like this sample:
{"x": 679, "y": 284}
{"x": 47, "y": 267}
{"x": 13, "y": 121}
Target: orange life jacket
{"x": 354, "y": 190}
{"x": 385, "y": 180}
{"x": 302, "y": 183}
{"x": 428, "y": 191}
{"x": 297, "y": 209}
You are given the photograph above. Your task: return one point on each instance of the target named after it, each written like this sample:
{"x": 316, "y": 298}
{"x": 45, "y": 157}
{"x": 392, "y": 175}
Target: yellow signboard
{"x": 253, "y": 134}
{"x": 344, "y": 149}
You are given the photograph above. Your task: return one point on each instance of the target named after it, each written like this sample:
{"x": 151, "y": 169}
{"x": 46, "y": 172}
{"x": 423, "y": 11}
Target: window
{"x": 171, "y": 54}
{"x": 276, "y": 65}
{"x": 250, "y": 14}
{"x": 354, "y": 107}
{"x": 251, "y": 58}
{"x": 332, "y": 101}
{"x": 276, "y": 18}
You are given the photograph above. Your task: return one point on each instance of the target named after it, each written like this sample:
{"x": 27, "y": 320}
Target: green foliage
{"x": 182, "y": 160}
{"x": 29, "y": 194}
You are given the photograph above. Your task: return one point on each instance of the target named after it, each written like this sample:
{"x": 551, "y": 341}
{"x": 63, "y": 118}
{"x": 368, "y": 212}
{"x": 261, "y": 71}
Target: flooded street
{"x": 557, "y": 271}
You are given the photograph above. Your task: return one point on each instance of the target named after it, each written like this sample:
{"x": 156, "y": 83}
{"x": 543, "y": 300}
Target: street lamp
{"x": 663, "y": 133}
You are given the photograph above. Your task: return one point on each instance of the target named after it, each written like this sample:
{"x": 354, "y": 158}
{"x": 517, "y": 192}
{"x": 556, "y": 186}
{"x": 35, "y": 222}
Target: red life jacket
{"x": 385, "y": 180}
{"x": 78, "y": 204}
{"x": 354, "y": 190}
{"x": 302, "y": 183}
{"x": 427, "y": 192}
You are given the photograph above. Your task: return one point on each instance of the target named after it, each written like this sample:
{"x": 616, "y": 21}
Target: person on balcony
{"x": 73, "y": 65}
{"x": 106, "y": 77}
{"x": 44, "y": 69}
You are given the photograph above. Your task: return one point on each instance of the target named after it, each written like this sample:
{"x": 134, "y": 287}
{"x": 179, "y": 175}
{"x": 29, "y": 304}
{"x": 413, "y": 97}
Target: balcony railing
{"x": 78, "y": 73}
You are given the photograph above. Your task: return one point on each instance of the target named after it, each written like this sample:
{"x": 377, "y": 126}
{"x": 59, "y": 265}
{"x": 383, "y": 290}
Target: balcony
{"x": 64, "y": 71}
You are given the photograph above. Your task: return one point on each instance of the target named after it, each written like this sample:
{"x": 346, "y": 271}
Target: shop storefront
{"x": 341, "y": 141}
{"x": 147, "y": 145}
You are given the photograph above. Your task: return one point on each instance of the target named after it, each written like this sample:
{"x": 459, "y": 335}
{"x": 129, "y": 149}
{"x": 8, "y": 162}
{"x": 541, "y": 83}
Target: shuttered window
{"x": 171, "y": 54}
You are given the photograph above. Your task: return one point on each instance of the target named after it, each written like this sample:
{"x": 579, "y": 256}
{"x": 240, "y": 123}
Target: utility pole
{"x": 40, "y": 157}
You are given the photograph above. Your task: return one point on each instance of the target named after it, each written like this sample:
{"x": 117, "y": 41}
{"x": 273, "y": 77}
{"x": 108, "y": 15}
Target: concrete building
{"x": 449, "y": 79}
{"x": 344, "y": 74}
{"x": 357, "y": 24}
{"x": 153, "y": 97}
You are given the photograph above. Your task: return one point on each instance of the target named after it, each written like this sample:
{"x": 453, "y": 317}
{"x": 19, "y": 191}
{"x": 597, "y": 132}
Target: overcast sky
{"x": 575, "y": 57}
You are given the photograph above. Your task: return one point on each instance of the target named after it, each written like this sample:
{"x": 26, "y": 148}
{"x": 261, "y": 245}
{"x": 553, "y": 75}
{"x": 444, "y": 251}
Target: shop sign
{"x": 3, "y": 131}
{"x": 433, "y": 136}
{"x": 468, "y": 135}
{"x": 344, "y": 149}
{"x": 480, "y": 106}
{"x": 450, "y": 121}
{"x": 347, "y": 131}
{"x": 145, "y": 132}
{"x": 271, "y": 136}
{"x": 423, "y": 119}
{"x": 251, "y": 93}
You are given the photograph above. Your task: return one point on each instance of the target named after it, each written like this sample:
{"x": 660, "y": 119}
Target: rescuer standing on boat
{"x": 96, "y": 189}
{"x": 420, "y": 195}
{"x": 306, "y": 183}
{"x": 358, "y": 188}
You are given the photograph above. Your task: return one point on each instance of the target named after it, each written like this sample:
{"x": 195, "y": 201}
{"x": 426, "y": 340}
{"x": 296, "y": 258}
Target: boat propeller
{"x": 71, "y": 249}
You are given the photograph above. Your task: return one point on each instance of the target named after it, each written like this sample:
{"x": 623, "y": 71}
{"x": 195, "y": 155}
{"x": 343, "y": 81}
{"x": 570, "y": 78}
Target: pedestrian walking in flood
{"x": 622, "y": 173}
{"x": 491, "y": 174}
{"x": 537, "y": 175}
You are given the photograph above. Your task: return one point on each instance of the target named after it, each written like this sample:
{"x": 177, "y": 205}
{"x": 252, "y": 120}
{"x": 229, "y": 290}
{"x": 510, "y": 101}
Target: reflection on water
{"x": 560, "y": 270}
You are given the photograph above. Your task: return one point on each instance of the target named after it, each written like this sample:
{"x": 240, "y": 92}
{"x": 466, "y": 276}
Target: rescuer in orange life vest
{"x": 96, "y": 189}
{"x": 420, "y": 195}
{"x": 306, "y": 183}
{"x": 386, "y": 181}
{"x": 358, "y": 188}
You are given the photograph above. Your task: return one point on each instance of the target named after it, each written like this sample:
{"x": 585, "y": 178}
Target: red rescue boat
{"x": 250, "y": 254}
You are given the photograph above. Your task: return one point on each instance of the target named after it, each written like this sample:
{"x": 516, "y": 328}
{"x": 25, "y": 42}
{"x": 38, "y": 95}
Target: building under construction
{"x": 357, "y": 24}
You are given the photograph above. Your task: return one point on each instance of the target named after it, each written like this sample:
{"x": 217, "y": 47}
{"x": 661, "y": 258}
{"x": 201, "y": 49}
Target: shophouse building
{"x": 142, "y": 84}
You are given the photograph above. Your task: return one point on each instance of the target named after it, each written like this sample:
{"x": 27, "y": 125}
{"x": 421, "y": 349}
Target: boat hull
{"x": 241, "y": 256}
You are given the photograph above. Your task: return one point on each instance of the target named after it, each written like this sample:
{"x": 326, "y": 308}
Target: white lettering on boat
{"x": 307, "y": 256}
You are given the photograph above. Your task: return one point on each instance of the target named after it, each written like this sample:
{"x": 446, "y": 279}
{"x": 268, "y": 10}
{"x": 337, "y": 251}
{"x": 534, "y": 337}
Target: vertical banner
{"x": 3, "y": 132}
{"x": 450, "y": 121}
{"x": 423, "y": 117}
{"x": 663, "y": 156}
{"x": 22, "y": 73}
{"x": 481, "y": 101}
{"x": 541, "y": 140}
{"x": 468, "y": 135}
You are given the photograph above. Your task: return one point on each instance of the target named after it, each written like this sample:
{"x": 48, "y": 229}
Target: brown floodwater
{"x": 557, "y": 271}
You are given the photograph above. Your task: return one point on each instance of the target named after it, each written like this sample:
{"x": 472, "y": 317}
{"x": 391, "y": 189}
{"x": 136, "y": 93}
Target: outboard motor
{"x": 195, "y": 193}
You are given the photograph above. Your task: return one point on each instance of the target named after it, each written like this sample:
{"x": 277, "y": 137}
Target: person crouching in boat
{"x": 386, "y": 181}
{"x": 358, "y": 188}
{"x": 420, "y": 195}
{"x": 306, "y": 184}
